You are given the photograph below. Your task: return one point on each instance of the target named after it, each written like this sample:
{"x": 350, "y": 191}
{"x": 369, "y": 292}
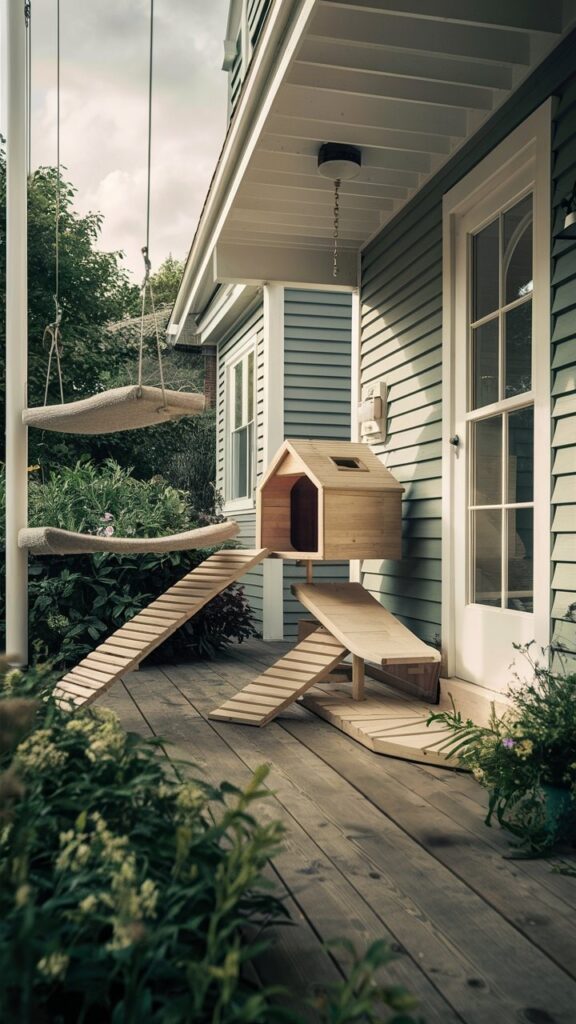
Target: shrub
{"x": 525, "y": 758}
{"x": 77, "y": 601}
{"x": 129, "y": 891}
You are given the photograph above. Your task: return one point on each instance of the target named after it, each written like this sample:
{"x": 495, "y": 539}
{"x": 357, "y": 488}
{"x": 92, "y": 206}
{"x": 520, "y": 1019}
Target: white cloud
{"x": 103, "y": 100}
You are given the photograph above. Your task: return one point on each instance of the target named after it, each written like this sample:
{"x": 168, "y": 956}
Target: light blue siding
{"x": 401, "y": 342}
{"x": 564, "y": 385}
{"x": 252, "y": 326}
{"x": 317, "y": 375}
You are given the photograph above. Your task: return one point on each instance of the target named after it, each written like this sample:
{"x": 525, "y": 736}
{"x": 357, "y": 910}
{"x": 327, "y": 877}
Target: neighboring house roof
{"x": 407, "y": 81}
{"x": 130, "y": 327}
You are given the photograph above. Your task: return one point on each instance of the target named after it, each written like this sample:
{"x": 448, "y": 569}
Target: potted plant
{"x": 525, "y": 758}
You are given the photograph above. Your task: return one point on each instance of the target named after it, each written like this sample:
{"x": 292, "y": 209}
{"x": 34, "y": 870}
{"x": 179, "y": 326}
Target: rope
{"x": 52, "y": 333}
{"x": 147, "y": 283}
{"x": 27, "y": 18}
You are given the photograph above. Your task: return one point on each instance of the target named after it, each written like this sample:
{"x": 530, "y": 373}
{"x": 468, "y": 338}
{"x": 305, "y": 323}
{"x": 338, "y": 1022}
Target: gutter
{"x": 282, "y": 31}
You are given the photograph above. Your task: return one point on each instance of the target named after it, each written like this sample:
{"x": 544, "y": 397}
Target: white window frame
{"x": 247, "y": 502}
{"x": 530, "y": 142}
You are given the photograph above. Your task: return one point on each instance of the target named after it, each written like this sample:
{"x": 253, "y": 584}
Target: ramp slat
{"x": 129, "y": 645}
{"x": 267, "y": 695}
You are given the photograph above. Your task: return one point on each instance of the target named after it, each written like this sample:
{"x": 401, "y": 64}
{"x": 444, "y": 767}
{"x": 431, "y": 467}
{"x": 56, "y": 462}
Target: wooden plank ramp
{"x": 135, "y": 640}
{"x": 286, "y": 680}
{"x": 363, "y": 625}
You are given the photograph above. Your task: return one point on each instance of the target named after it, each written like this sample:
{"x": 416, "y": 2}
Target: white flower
{"x": 54, "y": 965}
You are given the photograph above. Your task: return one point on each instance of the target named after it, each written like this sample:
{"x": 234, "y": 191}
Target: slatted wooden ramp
{"x": 363, "y": 625}
{"x": 135, "y": 640}
{"x": 285, "y": 681}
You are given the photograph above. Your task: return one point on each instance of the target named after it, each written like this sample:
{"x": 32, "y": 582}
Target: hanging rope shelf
{"x": 125, "y": 408}
{"x": 47, "y": 540}
{"x": 122, "y": 408}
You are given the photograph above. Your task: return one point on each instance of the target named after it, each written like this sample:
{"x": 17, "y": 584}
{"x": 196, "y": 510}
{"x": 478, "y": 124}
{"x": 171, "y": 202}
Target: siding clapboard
{"x": 401, "y": 342}
{"x": 564, "y": 386}
{"x": 317, "y": 375}
{"x": 251, "y": 327}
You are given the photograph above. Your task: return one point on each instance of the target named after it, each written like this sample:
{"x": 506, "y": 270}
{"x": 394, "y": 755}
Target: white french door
{"x": 498, "y": 418}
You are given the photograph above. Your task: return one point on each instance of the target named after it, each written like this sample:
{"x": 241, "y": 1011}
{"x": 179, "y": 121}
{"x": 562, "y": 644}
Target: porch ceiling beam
{"x": 331, "y": 130}
{"x": 386, "y": 159}
{"x": 292, "y": 240}
{"x": 361, "y": 186}
{"x": 520, "y": 15}
{"x": 267, "y": 205}
{"x": 370, "y": 111}
{"x": 318, "y": 198}
{"x": 258, "y": 264}
{"x": 380, "y": 28}
{"x": 273, "y": 234}
{"x": 322, "y": 229}
{"x": 385, "y": 86}
{"x": 384, "y": 60}
{"x": 291, "y": 163}
{"x": 348, "y": 219}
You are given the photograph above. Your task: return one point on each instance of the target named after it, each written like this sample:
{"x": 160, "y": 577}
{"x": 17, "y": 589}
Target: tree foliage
{"x": 95, "y": 292}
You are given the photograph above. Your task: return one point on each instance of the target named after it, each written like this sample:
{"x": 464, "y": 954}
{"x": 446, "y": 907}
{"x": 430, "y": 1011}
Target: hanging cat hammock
{"x": 47, "y": 540}
{"x": 123, "y": 408}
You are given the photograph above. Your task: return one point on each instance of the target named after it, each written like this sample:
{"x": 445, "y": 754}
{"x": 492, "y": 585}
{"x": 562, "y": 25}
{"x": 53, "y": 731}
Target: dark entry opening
{"x": 304, "y": 515}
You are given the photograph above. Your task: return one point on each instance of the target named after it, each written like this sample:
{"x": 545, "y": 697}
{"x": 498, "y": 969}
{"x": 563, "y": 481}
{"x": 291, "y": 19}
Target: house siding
{"x": 317, "y": 375}
{"x": 564, "y": 386}
{"x": 401, "y": 342}
{"x": 252, "y": 326}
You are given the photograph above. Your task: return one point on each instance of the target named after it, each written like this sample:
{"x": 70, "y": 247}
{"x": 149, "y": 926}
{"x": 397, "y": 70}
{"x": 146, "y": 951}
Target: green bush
{"x": 75, "y": 602}
{"x": 131, "y": 892}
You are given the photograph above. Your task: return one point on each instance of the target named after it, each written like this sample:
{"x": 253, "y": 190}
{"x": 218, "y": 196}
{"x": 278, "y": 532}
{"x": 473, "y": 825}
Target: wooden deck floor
{"x": 377, "y": 848}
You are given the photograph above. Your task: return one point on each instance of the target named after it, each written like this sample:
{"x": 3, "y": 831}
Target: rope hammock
{"x": 47, "y": 540}
{"x": 124, "y": 408}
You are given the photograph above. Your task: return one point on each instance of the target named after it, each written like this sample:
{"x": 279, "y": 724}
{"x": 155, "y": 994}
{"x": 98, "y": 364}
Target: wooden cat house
{"x": 329, "y": 500}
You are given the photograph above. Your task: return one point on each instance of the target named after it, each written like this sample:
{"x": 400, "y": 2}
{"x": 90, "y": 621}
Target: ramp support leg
{"x": 357, "y": 677}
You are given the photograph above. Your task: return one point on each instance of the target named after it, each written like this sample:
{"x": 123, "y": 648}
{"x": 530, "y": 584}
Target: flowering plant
{"x": 525, "y": 757}
{"x": 131, "y": 892}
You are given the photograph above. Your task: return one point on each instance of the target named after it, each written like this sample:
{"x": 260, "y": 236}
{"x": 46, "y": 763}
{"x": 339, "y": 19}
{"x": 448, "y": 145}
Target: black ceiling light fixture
{"x": 339, "y": 163}
{"x": 569, "y": 205}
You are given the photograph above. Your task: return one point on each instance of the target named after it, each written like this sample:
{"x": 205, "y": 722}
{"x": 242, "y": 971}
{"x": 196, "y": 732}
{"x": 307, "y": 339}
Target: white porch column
{"x": 16, "y": 336}
{"x": 273, "y": 568}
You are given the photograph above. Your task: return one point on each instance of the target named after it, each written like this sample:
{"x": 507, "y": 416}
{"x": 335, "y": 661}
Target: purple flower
{"x": 107, "y": 517}
{"x": 108, "y": 531}
{"x": 508, "y": 742}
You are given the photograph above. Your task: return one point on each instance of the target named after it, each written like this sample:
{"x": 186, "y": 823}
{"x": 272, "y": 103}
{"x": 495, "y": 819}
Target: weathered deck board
{"x": 380, "y": 847}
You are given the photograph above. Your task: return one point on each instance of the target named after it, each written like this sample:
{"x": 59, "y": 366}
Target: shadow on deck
{"x": 377, "y": 847}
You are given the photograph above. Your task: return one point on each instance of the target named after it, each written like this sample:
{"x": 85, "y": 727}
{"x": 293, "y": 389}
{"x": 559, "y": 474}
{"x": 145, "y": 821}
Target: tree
{"x": 166, "y": 281}
{"x": 94, "y": 289}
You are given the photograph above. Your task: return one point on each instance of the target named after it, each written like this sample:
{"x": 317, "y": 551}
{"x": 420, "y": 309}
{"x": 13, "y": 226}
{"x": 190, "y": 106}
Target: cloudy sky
{"x": 103, "y": 83}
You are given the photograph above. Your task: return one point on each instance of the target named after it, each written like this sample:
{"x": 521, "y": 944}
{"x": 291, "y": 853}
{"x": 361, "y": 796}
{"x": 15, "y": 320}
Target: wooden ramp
{"x": 135, "y": 640}
{"x": 362, "y": 625}
{"x": 284, "y": 682}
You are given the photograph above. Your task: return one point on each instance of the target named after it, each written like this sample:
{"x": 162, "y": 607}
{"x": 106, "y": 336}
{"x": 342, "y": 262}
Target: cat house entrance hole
{"x": 304, "y": 515}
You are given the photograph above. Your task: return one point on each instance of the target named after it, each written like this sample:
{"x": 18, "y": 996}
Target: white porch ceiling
{"x": 408, "y": 82}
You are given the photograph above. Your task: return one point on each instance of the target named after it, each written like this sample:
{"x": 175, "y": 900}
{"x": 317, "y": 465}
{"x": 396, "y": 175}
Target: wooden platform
{"x": 376, "y": 848}
{"x": 136, "y": 639}
{"x": 385, "y": 722}
{"x": 362, "y": 624}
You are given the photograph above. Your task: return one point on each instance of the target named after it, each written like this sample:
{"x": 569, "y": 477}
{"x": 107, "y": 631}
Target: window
{"x": 501, "y": 497}
{"x": 241, "y": 415}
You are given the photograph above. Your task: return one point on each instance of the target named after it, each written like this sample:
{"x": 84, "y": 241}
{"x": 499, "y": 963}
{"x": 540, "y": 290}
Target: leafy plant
{"x": 525, "y": 757}
{"x": 131, "y": 891}
{"x": 76, "y": 602}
